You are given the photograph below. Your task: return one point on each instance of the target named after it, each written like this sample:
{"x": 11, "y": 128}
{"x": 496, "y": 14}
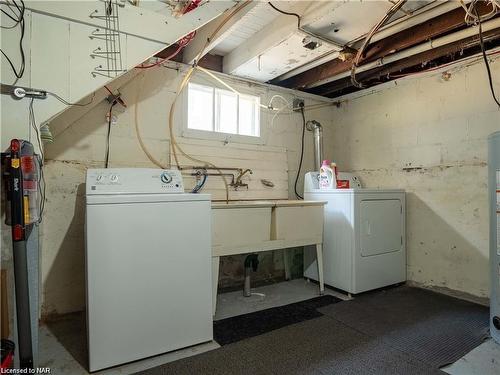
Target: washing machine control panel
{"x": 134, "y": 181}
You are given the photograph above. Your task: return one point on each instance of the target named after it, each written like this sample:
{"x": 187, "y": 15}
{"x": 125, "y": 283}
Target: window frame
{"x": 216, "y": 134}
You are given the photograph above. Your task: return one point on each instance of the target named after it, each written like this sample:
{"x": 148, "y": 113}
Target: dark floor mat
{"x": 428, "y": 326}
{"x": 321, "y": 346}
{"x": 227, "y": 331}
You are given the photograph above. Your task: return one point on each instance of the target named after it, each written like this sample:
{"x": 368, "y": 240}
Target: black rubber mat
{"x": 428, "y": 326}
{"x": 320, "y": 346}
{"x": 398, "y": 331}
{"x": 227, "y": 331}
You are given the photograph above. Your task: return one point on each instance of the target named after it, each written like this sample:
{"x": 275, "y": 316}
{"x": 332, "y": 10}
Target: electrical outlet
{"x": 298, "y": 104}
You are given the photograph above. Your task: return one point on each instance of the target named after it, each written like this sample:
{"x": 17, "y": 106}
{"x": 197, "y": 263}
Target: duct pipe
{"x": 316, "y": 128}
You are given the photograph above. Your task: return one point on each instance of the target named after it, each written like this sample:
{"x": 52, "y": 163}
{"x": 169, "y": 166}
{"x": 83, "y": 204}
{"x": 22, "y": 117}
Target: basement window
{"x": 214, "y": 110}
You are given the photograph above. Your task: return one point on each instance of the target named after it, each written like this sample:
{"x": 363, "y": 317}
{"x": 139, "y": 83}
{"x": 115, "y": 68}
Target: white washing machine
{"x": 364, "y": 243}
{"x": 148, "y": 265}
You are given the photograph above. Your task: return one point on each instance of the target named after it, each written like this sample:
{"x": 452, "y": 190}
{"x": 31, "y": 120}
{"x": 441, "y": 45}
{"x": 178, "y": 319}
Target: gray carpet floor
{"x": 399, "y": 331}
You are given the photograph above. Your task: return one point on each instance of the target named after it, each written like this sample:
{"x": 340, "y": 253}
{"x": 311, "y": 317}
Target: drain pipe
{"x": 315, "y": 127}
{"x": 251, "y": 263}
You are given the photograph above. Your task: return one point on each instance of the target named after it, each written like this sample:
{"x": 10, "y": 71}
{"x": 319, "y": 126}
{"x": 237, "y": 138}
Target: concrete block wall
{"x": 80, "y": 144}
{"x": 428, "y": 136}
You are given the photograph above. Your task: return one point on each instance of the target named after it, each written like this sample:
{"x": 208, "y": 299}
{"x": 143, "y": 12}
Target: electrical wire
{"x": 108, "y": 90}
{"x": 175, "y": 146}
{"x": 301, "y": 154}
{"x": 286, "y": 13}
{"x": 485, "y": 58}
{"x": 392, "y": 10}
{"x": 159, "y": 62}
{"x": 182, "y": 85}
{"x": 18, "y": 73}
{"x": 18, "y": 18}
{"x": 71, "y": 104}
{"x": 41, "y": 181}
{"x": 108, "y": 136}
{"x": 199, "y": 185}
{"x": 471, "y": 12}
{"x": 183, "y": 42}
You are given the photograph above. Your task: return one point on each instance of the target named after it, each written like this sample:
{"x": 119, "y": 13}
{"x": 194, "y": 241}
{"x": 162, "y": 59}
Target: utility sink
{"x": 242, "y": 227}
{"x": 254, "y": 224}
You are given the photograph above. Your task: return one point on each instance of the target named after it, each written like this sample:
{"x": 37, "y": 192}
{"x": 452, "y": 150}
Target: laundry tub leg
{"x": 215, "y": 282}
{"x": 286, "y": 261}
{"x": 319, "y": 259}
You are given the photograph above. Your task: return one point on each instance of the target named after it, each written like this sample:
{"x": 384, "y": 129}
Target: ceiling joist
{"x": 418, "y": 61}
{"x": 412, "y": 36}
{"x": 197, "y": 44}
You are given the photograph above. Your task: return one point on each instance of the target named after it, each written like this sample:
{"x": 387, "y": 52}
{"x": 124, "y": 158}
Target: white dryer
{"x": 364, "y": 245}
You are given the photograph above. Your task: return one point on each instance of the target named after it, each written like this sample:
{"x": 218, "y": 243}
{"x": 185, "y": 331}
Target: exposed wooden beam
{"x": 332, "y": 88}
{"x": 211, "y": 62}
{"x": 397, "y": 42}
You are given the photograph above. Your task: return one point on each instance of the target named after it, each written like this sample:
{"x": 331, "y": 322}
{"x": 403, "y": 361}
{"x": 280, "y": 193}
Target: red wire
{"x": 176, "y": 52}
{"x": 107, "y": 88}
{"x": 181, "y": 43}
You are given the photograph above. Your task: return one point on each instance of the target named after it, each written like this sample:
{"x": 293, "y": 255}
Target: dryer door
{"x": 381, "y": 226}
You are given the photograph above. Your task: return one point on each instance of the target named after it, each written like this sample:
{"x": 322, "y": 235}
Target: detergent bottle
{"x": 327, "y": 178}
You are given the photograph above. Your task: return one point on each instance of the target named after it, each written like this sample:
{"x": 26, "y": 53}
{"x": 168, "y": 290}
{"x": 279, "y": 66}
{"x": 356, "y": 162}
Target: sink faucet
{"x": 238, "y": 183}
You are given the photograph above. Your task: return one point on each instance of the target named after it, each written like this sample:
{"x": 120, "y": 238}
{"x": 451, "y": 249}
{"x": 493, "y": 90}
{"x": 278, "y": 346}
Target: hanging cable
{"x": 301, "y": 153}
{"x": 16, "y": 18}
{"x": 472, "y": 15}
{"x": 41, "y": 181}
{"x": 182, "y": 85}
{"x": 108, "y": 136}
{"x": 71, "y": 104}
{"x": 392, "y": 10}
{"x": 174, "y": 145}
{"x": 138, "y": 133}
{"x": 18, "y": 73}
{"x": 161, "y": 61}
{"x": 485, "y": 57}
{"x": 286, "y": 13}
{"x": 183, "y": 42}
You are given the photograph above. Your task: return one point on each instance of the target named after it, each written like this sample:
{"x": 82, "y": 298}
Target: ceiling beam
{"x": 407, "y": 38}
{"x": 195, "y": 46}
{"x": 333, "y": 88}
{"x": 209, "y": 61}
{"x": 271, "y": 35}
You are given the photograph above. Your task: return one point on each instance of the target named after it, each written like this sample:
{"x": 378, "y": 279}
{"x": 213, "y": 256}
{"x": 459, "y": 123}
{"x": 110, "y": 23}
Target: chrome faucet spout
{"x": 238, "y": 183}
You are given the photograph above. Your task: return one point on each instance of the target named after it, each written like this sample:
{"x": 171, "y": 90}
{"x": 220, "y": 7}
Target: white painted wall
{"x": 80, "y": 144}
{"x": 440, "y": 128}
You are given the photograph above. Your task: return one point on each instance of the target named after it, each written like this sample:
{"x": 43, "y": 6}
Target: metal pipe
{"x": 317, "y": 130}
{"x": 431, "y": 44}
{"x": 419, "y": 16}
{"x": 247, "y": 291}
